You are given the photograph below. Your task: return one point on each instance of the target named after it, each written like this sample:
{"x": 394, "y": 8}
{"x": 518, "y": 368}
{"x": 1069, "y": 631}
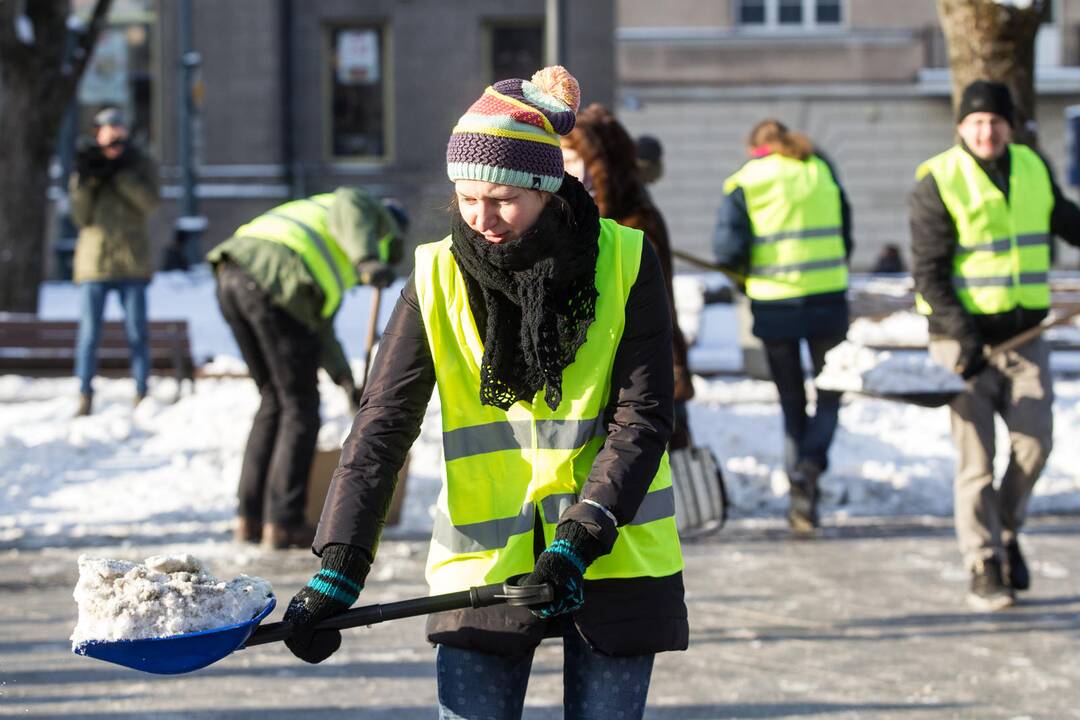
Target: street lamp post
{"x": 189, "y": 224}
{"x": 555, "y": 32}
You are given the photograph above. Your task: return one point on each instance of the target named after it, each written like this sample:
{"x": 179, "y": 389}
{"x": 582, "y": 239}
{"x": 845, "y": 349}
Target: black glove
{"x": 972, "y": 360}
{"x": 126, "y": 158}
{"x": 333, "y": 590}
{"x": 90, "y": 162}
{"x": 375, "y": 273}
{"x": 563, "y": 566}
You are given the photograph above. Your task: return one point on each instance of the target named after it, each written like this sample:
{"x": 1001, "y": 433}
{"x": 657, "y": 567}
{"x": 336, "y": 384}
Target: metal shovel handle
{"x": 475, "y": 597}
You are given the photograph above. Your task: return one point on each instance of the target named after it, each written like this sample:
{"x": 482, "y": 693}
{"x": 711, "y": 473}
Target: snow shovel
{"x": 939, "y": 398}
{"x": 736, "y": 278}
{"x": 372, "y": 334}
{"x": 191, "y": 651}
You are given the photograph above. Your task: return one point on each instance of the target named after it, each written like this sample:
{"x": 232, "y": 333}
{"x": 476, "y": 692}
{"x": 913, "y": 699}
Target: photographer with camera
{"x": 113, "y": 192}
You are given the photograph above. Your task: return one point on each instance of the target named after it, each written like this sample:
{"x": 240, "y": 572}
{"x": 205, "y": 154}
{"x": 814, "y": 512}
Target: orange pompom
{"x": 555, "y": 80}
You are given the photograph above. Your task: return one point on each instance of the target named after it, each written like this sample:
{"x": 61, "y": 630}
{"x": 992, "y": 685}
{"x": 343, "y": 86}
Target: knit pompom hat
{"x": 510, "y": 136}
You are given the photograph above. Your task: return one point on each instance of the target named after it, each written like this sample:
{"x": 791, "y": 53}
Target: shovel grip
{"x": 475, "y": 597}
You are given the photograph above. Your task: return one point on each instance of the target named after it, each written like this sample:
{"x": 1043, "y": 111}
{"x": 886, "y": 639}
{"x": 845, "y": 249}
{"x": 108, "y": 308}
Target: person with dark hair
{"x": 545, "y": 328}
{"x": 650, "y": 159}
{"x": 113, "y": 192}
{"x": 982, "y": 216}
{"x": 888, "y": 260}
{"x": 280, "y": 282}
{"x": 785, "y": 226}
{"x": 600, "y": 152}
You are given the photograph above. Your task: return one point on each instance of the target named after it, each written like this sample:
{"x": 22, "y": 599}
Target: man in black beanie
{"x": 983, "y": 96}
{"x": 982, "y": 215}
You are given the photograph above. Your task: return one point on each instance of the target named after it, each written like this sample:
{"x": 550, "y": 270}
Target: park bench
{"x": 46, "y": 348}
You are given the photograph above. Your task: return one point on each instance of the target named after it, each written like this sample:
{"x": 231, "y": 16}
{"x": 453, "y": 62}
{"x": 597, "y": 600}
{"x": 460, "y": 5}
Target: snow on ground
{"x": 166, "y": 472}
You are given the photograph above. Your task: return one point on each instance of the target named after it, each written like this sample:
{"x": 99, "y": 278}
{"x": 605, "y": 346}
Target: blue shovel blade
{"x": 176, "y": 653}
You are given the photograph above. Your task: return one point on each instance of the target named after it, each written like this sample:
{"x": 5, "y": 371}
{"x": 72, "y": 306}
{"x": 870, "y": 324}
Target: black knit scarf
{"x": 533, "y": 298}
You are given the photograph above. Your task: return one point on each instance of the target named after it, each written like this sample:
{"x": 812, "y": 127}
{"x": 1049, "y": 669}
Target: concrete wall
{"x": 675, "y": 13}
{"x": 753, "y": 60}
{"x": 875, "y": 143}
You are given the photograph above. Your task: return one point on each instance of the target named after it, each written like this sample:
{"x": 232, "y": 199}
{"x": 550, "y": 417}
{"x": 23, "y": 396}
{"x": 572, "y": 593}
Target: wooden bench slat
{"x": 33, "y": 347}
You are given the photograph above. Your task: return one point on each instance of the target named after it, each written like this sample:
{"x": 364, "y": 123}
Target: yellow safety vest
{"x": 301, "y": 225}
{"x": 794, "y": 209}
{"x": 1003, "y": 254}
{"x": 503, "y": 467}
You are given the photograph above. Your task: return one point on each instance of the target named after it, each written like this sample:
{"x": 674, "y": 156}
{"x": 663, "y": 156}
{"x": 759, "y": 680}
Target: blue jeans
{"x": 92, "y": 310}
{"x": 478, "y": 686}
{"x": 806, "y": 437}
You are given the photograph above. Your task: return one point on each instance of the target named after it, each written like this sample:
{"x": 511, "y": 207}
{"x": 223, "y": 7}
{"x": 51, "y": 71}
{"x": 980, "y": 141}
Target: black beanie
{"x": 985, "y": 96}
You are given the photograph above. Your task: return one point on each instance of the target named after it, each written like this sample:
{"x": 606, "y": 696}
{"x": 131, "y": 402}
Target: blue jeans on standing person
{"x": 92, "y": 310}
{"x": 479, "y": 686}
{"x": 806, "y": 437}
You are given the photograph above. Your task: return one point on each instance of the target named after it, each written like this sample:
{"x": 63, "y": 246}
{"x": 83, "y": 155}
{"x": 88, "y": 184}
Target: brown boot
{"x": 86, "y": 401}
{"x": 247, "y": 531}
{"x": 276, "y": 536}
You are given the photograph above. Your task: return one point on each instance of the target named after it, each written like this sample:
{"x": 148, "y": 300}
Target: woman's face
{"x": 500, "y": 213}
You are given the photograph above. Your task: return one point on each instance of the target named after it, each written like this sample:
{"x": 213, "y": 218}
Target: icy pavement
{"x": 866, "y": 622}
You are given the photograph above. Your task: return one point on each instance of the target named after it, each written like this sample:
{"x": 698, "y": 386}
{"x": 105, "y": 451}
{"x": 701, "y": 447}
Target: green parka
{"x": 112, "y": 215}
{"x": 358, "y": 223}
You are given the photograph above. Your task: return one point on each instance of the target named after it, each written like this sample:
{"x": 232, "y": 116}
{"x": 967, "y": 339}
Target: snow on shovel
{"x": 190, "y": 651}
{"x": 916, "y": 381}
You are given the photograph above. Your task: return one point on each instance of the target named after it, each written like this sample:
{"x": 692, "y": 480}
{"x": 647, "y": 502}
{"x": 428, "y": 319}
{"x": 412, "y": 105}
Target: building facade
{"x": 867, "y": 80}
{"x": 295, "y": 97}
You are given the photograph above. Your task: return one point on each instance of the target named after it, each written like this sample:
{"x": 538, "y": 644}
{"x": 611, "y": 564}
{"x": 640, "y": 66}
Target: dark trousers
{"x": 805, "y": 437}
{"x": 282, "y": 355}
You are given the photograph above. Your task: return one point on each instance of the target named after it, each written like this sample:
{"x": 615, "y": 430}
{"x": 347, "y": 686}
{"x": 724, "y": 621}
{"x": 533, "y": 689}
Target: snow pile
{"x": 851, "y": 367}
{"x": 168, "y": 595}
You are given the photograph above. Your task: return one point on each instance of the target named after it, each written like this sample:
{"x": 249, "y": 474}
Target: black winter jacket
{"x": 933, "y": 245}
{"x": 621, "y": 617}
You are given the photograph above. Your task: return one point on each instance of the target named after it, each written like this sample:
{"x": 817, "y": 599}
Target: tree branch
{"x": 89, "y": 38}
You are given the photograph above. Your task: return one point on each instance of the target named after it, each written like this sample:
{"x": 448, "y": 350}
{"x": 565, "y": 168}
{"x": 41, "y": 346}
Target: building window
{"x": 358, "y": 92}
{"x": 514, "y": 49}
{"x": 789, "y": 14}
{"x": 827, "y": 12}
{"x": 121, "y": 70}
{"x": 751, "y": 12}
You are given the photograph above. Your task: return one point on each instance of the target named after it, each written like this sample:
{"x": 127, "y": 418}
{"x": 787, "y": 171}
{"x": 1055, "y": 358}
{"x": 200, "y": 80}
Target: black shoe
{"x": 988, "y": 591}
{"x": 86, "y": 402}
{"x": 1016, "y": 570}
{"x": 802, "y": 497}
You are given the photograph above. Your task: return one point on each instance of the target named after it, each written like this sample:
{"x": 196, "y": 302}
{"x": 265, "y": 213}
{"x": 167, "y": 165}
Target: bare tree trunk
{"x": 990, "y": 40}
{"x": 38, "y": 78}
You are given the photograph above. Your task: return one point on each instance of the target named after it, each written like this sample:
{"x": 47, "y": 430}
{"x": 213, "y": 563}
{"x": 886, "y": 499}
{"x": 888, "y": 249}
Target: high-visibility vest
{"x": 794, "y": 209}
{"x": 1003, "y": 253}
{"x": 302, "y": 226}
{"x": 503, "y": 468}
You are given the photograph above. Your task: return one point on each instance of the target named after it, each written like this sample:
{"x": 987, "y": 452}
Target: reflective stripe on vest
{"x": 301, "y": 225}
{"x": 794, "y": 210}
{"x": 494, "y": 534}
{"x": 1003, "y": 245}
{"x": 505, "y": 470}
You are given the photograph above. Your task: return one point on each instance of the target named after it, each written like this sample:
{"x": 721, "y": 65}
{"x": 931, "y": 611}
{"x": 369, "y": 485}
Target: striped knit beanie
{"x": 510, "y": 136}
